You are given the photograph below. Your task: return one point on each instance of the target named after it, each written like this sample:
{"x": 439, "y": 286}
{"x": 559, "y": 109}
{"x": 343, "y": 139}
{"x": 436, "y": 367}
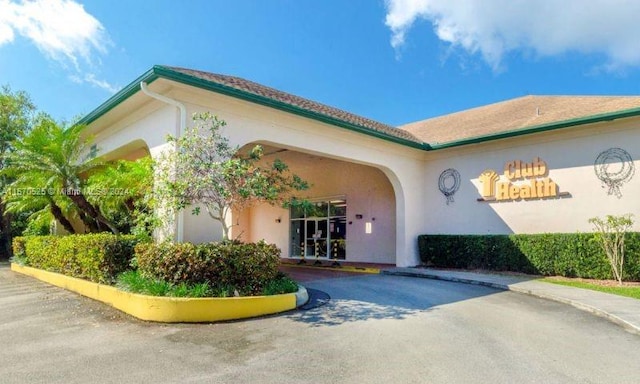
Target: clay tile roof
{"x": 272, "y": 94}
{"x": 516, "y": 114}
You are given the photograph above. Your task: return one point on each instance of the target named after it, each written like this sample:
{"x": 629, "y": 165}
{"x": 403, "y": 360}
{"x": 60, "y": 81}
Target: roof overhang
{"x": 161, "y": 72}
{"x": 604, "y": 117}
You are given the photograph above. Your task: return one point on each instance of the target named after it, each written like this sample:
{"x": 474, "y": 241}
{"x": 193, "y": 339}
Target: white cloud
{"x": 492, "y": 28}
{"x": 91, "y": 79}
{"x": 62, "y": 30}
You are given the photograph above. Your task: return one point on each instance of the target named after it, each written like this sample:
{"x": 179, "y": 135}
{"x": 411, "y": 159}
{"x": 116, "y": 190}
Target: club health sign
{"x": 524, "y": 181}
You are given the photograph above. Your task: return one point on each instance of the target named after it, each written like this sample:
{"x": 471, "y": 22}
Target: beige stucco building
{"x": 528, "y": 165}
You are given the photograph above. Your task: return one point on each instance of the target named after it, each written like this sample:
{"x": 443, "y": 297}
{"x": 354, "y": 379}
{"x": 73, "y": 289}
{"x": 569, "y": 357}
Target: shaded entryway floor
{"x": 311, "y": 272}
{"x": 303, "y": 275}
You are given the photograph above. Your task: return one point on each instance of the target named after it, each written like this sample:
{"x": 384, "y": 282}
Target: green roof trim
{"x": 610, "y": 116}
{"x": 126, "y": 92}
{"x": 257, "y": 99}
{"x": 159, "y": 71}
{"x": 166, "y": 73}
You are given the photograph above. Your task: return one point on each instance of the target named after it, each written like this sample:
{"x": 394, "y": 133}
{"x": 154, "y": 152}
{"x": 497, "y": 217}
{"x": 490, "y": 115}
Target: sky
{"x": 395, "y": 61}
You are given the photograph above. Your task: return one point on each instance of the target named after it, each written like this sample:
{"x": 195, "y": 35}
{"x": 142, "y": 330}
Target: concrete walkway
{"x": 621, "y": 310}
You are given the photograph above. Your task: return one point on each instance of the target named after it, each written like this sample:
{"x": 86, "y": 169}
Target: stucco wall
{"x": 248, "y": 123}
{"x": 570, "y": 157}
{"x": 367, "y": 191}
{"x": 411, "y": 174}
{"x": 402, "y": 166}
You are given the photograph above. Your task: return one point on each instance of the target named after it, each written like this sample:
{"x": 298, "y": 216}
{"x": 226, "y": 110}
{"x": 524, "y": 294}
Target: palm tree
{"x": 42, "y": 203}
{"x": 60, "y": 156}
{"x": 122, "y": 191}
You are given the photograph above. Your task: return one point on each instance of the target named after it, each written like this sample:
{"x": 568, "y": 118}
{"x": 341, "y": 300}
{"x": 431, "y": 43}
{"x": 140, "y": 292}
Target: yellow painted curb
{"x": 167, "y": 309}
{"x": 373, "y": 271}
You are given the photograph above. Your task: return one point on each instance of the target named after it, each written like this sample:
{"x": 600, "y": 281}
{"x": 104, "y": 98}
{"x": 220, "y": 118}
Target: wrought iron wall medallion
{"x": 449, "y": 183}
{"x": 614, "y": 167}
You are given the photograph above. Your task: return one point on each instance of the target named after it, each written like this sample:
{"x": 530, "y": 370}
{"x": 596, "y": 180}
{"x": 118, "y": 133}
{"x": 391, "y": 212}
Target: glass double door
{"x": 319, "y": 231}
{"x": 316, "y": 238}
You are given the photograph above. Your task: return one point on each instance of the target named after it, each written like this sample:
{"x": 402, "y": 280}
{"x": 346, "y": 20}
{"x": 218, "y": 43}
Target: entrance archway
{"x": 352, "y": 216}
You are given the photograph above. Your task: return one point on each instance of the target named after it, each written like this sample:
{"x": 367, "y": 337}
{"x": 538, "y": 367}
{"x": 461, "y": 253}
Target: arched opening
{"x": 114, "y": 191}
{"x": 352, "y": 216}
{"x": 134, "y": 150}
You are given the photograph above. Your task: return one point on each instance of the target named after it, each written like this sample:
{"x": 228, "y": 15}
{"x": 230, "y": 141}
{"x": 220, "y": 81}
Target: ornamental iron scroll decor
{"x": 449, "y": 183}
{"x": 614, "y": 167}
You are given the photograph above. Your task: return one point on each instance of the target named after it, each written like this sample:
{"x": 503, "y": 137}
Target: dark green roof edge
{"x": 609, "y": 116}
{"x": 163, "y": 72}
{"x": 126, "y": 92}
{"x": 167, "y": 73}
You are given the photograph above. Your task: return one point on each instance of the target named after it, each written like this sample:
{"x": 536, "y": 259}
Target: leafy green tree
{"x": 42, "y": 204}
{"x": 206, "y": 170}
{"x": 611, "y": 232}
{"x": 16, "y": 112}
{"x": 60, "y": 156}
{"x": 122, "y": 190}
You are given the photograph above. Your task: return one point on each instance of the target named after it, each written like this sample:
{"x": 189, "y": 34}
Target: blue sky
{"x": 395, "y": 61}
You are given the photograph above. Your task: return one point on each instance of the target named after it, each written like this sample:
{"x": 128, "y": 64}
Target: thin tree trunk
{"x": 59, "y": 216}
{"x": 221, "y": 219}
{"x": 130, "y": 205}
{"x": 89, "y": 223}
{"x": 81, "y": 202}
{"x": 5, "y": 232}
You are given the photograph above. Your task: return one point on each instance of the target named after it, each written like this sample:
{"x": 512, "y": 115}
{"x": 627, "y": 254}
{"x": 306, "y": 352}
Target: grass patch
{"x": 633, "y": 292}
{"x": 132, "y": 281}
{"x": 282, "y": 284}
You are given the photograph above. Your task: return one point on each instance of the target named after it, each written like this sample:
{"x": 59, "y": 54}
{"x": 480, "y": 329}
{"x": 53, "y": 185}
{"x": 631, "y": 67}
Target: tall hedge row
{"x": 562, "y": 254}
{"x": 95, "y": 257}
{"x": 245, "y": 267}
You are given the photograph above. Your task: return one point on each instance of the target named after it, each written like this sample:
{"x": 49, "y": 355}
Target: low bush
{"x": 95, "y": 257}
{"x": 559, "y": 254}
{"x": 19, "y": 253}
{"x": 245, "y": 267}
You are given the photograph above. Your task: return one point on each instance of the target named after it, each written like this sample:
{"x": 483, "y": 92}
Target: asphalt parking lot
{"x": 375, "y": 329}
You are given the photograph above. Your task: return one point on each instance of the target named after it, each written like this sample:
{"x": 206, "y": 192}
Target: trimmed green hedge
{"x": 18, "y": 247}
{"x": 549, "y": 254}
{"x": 95, "y": 257}
{"x": 245, "y": 267}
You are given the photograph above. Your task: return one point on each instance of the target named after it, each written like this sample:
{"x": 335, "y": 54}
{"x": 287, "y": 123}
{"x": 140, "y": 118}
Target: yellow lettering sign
{"x": 488, "y": 179}
{"x": 538, "y": 184}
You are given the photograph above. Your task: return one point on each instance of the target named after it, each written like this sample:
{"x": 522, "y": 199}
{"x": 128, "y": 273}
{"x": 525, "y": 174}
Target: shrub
{"x": 246, "y": 267}
{"x": 19, "y": 244}
{"x": 561, "y": 254}
{"x": 611, "y": 233}
{"x": 95, "y": 257}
